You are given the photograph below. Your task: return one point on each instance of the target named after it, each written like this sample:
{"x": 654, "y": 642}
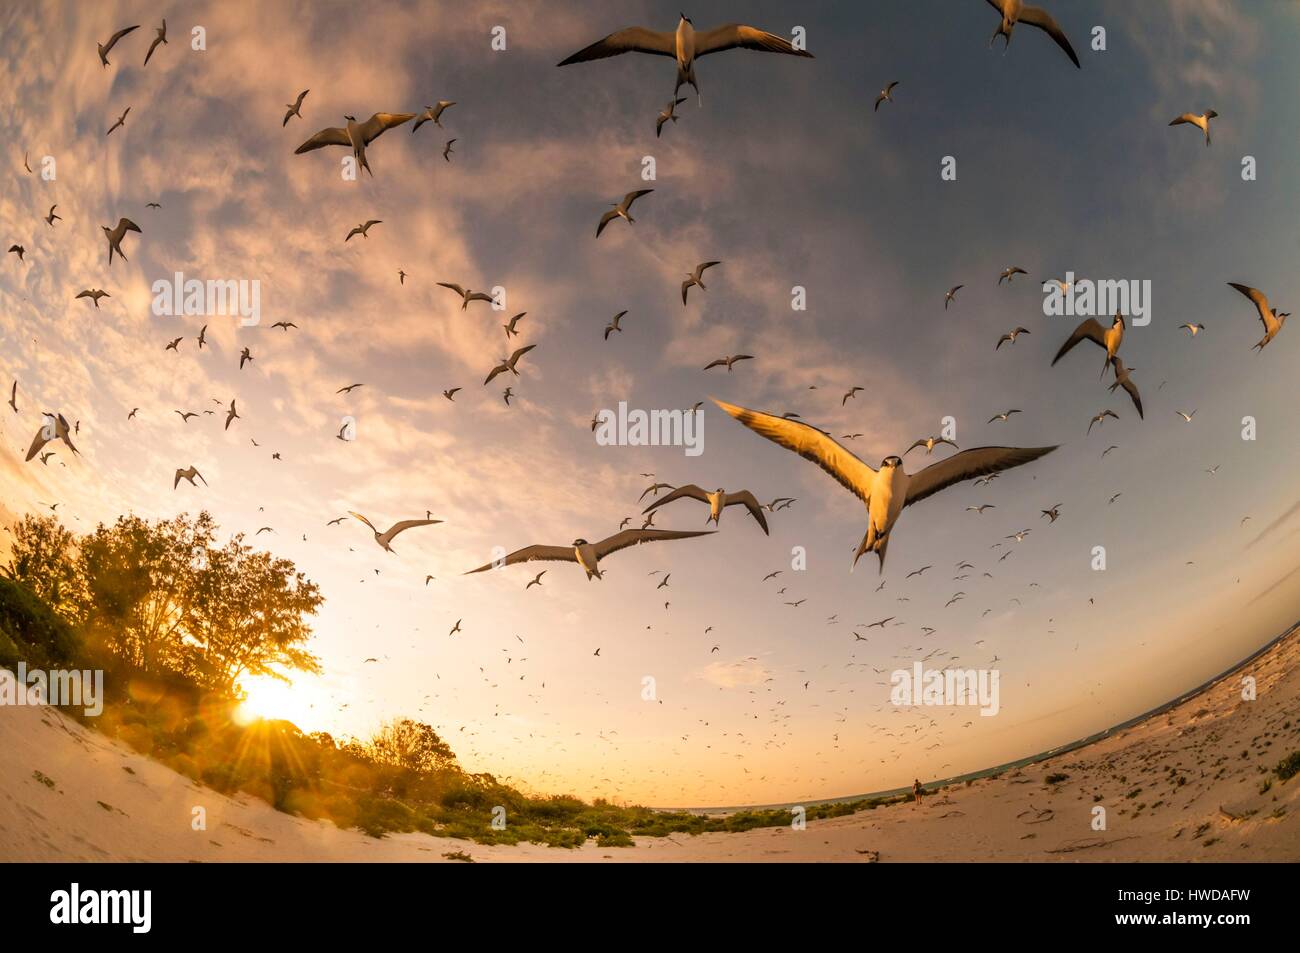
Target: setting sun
{"x": 268, "y": 698}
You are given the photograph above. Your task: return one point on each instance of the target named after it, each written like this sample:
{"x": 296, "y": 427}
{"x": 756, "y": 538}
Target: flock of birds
{"x": 884, "y": 490}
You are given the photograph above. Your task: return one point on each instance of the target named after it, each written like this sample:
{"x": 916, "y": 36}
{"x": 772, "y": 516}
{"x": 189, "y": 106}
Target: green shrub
{"x": 30, "y": 631}
{"x": 1289, "y": 766}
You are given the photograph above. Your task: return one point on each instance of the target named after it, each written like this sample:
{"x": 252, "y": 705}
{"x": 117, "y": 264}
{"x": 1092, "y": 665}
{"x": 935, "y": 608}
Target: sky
{"x": 783, "y": 171}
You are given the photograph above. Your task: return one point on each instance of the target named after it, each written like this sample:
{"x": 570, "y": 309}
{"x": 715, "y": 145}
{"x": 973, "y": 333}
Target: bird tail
{"x": 871, "y": 543}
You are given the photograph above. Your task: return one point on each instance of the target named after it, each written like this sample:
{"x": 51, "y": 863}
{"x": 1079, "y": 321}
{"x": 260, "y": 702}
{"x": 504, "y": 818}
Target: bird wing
{"x": 1132, "y": 391}
{"x": 330, "y": 136}
{"x": 634, "y": 39}
{"x": 1090, "y": 329}
{"x": 689, "y": 489}
{"x": 118, "y": 35}
{"x": 454, "y": 287}
{"x": 379, "y": 123}
{"x": 407, "y": 524}
{"x": 152, "y": 46}
{"x": 529, "y": 553}
{"x": 632, "y": 197}
{"x": 733, "y": 36}
{"x": 1037, "y": 16}
{"x": 811, "y": 444}
{"x": 966, "y": 465}
{"x": 364, "y": 520}
{"x": 125, "y": 225}
{"x": 1259, "y": 298}
{"x": 521, "y": 351}
{"x": 686, "y": 284}
{"x": 499, "y": 369}
{"x": 746, "y": 499}
{"x": 633, "y": 537}
{"x": 1185, "y": 117}
{"x": 604, "y": 220}
{"x": 39, "y": 441}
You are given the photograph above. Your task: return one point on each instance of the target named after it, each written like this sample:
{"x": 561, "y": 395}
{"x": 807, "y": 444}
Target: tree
{"x": 139, "y": 581}
{"x": 249, "y": 613}
{"x": 42, "y": 557}
{"x": 412, "y": 745}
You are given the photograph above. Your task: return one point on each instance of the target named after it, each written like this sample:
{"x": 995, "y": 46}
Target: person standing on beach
{"x": 917, "y": 791}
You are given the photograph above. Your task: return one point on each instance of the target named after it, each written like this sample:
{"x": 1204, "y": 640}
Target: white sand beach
{"x": 1187, "y": 785}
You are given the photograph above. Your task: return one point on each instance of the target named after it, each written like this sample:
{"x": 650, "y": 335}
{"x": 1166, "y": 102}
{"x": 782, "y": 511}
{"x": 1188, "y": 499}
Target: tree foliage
{"x": 162, "y": 597}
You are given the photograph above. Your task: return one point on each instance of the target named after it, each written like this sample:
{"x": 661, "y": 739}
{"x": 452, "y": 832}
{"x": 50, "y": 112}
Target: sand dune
{"x": 1189, "y": 784}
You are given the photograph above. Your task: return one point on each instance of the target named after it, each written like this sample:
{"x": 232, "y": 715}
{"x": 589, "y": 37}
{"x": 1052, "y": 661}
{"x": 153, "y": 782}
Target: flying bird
{"x": 18, "y": 250}
{"x": 1090, "y": 329}
{"x": 112, "y": 41}
{"x": 1017, "y": 11}
{"x": 465, "y": 294}
{"x": 951, "y": 295}
{"x": 231, "y": 415}
{"x": 1010, "y": 337}
{"x": 512, "y": 326}
{"x": 385, "y": 538}
{"x": 1008, "y": 274}
{"x": 1122, "y": 379}
{"x": 885, "y": 492}
{"x": 121, "y": 121}
{"x": 717, "y": 500}
{"x": 55, "y": 428}
{"x": 363, "y": 228}
{"x": 446, "y": 150}
{"x": 621, "y": 209}
{"x": 666, "y": 114}
{"x": 1269, "y": 316}
{"x": 588, "y": 555}
{"x": 188, "y": 474}
{"x": 1101, "y": 418}
{"x": 728, "y": 361}
{"x": 1195, "y": 329}
{"x": 160, "y": 36}
{"x": 930, "y": 442}
{"x": 614, "y": 325}
{"x": 51, "y": 218}
{"x": 115, "y": 236}
{"x": 432, "y": 113}
{"x": 1200, "y": 121}
{"x": 685, "y": 45}
{"x": 886, "y": 95}
{"x": 508, "y": 363}
{"x": 356, "y": 135}
{"x": 294, "y": 108}
{"x": 1004, "y": 415}
{"x": 696, "y": 278}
